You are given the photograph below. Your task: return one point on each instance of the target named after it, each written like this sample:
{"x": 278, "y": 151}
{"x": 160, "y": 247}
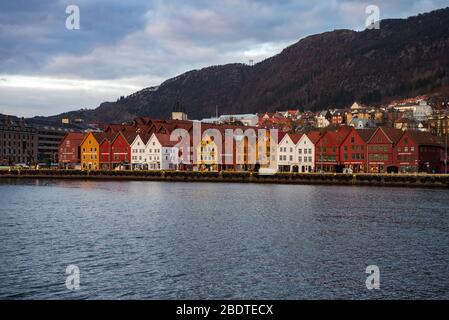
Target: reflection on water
{"x": 153, "y": 240}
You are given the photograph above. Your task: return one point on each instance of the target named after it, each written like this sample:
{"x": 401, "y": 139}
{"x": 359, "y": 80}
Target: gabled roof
{"x": 145, "y": 137}
{"x": 74, "y": 136}
{"x": 424, "y": 138}
{"x": 281, "y": 136}
{"x": 102, "y": 136}
{"x": 295, "y": 137}
{"x": 164, "y": 140}
{"x": 314, "y": 136}
{"x": 393, "y": 134}
{"x": 366, "y": 134}
{"x": 337, "y": 137}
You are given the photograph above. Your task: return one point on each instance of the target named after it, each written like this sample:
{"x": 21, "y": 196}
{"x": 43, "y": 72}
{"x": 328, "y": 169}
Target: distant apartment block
{"x": 18, "y": 142}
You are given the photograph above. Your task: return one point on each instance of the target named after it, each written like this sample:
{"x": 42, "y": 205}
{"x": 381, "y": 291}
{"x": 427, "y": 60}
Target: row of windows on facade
{"x": 207, "y": 157}
{"x": 89, "y": 165}
{"x": 138, "y": 144}
{"x": 16, "y": 152}
{"x": 17, "y": 136}
{"x": 327, "y": 158}
{"x": 207, "y": 149}
{"x": 150, "y": 158}
{"x": 18, "y": 144}
{"x": 65, "y": 150}
{"x": 300, "y": 151}
{"x": 116, "y": 157}
{"x": 150, "y": 150}
{"x": 18, "y": 159}
{"x": 114, "y": 149}
{"x": 324, "y": 149}
{"x": 354, "y": 156}
{"x": 300, "y": 159}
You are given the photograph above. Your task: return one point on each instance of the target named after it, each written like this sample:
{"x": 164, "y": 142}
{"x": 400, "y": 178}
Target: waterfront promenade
{"x": 399, "y": 180}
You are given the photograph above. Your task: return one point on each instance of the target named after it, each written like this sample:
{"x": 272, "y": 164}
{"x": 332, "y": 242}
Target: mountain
{"x": 405, "y": 57}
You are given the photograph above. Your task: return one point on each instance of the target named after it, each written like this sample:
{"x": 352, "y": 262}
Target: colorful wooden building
{"x": 353, "y": 151}
{"x": 90, "y": 150}
{"x": 70, "y": 151}
{"x": 381, "y": 150}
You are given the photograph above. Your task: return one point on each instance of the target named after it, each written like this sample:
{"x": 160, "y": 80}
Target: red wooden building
{"x": 381, "y": 150}
{"x": 69, "y": 153}
{"x": 327, "y": 150}
{"x": 121, "y": 149}
{"x": 353, "y": 153}
{"x": 420, "y": 152}
{"x": 105, "y": 153}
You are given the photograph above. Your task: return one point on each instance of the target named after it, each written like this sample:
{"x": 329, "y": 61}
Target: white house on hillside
{"x": 322, "y": 120}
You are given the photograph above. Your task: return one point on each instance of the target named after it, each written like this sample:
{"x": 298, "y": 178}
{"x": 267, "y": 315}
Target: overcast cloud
{"x": 124, "y": 46}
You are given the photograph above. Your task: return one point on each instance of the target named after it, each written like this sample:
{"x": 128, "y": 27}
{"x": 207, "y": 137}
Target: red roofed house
{"x": 287, "y": 154}
{"x": 121, "y": 150}
{"x": 327, "y": 150}
{"x": 420, "y": 152}
{"x": 353, "y": 150}
{"x": 69, "y": 151}
{"x": 105, "y": 153}
{"x": 381, "y": 150}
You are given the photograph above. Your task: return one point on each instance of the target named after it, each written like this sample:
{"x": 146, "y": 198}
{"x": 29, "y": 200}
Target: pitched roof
{"x": 281, "y": 136}
{"x": 145, "y": 136}
{"x": 164, "y": 140}
{"x": 100, "y": 136}
{"x": 295, "y": 137}
{"x": 393, "y": 134}
{"x": 314, "y": 136}
{"x": 366, "y": 134}
{"x": 73, "y": 136}
{"x": 425, "y": 138}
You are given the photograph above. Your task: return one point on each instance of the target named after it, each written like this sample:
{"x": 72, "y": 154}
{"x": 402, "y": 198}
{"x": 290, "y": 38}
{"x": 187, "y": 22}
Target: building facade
{"x": 90, "y": 151}
{"x": 381, "y": 151}
{"x": 18, "y": 143}
{"x": 70, "y": 151}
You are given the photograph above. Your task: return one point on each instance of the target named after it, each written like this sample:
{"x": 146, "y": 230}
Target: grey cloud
{"x": 158, "y": 39}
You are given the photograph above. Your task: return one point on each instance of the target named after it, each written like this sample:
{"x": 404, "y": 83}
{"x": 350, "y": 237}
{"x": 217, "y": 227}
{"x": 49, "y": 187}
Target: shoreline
{"x": 377, "y": 180}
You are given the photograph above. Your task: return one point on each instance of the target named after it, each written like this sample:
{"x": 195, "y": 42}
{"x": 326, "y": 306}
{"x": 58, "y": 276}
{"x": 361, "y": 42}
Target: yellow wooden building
{"x": 90, "y": 151}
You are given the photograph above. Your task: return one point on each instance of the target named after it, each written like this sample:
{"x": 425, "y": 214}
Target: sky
{"x": 124, "y": 46}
